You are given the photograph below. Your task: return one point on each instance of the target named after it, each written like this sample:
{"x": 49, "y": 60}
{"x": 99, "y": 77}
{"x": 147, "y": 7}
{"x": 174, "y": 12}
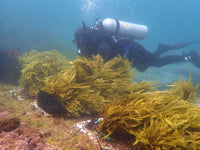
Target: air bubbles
{"x": 89, "y": 7}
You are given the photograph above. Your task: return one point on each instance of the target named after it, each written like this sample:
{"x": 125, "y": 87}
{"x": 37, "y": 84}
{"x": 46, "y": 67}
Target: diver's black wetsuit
{"x": 92, "y": 42}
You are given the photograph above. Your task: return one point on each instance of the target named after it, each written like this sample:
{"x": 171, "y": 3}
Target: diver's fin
{"x": 181, "y": 45}
{"x": 164, "y": 48}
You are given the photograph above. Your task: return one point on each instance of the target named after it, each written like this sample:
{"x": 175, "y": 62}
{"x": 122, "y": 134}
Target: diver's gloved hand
{"x": 193, "y": 57}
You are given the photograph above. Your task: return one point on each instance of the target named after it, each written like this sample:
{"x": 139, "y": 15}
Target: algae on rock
{"x": 150, "y": 119}
{"x": 153, "y": 120}
{"x": 37, "y": 66}
{"x": 83, "y": 87}
{"x": 91, "y": 83}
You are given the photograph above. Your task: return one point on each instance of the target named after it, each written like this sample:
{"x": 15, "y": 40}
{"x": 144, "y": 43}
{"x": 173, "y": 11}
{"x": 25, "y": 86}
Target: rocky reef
{"x": 138, "y": 114}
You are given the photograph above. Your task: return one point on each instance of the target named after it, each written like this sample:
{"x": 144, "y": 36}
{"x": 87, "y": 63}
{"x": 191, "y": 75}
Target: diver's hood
{"x": 81, "y": 36}
{"x": 83, "y": 39}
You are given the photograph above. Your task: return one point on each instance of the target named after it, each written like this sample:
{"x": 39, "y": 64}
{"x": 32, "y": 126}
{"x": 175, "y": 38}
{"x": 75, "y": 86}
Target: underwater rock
{"x": 50, "y": 104}
{"x": 9, "y": 124}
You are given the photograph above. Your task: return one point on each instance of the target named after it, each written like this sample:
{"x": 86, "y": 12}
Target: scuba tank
{"x": 125, "y": 29}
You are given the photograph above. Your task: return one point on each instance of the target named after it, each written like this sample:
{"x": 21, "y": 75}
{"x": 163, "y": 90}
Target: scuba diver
{"x": 112, "y": 37}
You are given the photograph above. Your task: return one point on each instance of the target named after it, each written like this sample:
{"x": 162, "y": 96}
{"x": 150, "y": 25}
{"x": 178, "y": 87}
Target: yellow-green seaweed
{"x": 91, "y": 83}
{"x": 184, "y": 89}
{"x": 154, "y": 120}
{"x": 37, "y": 66}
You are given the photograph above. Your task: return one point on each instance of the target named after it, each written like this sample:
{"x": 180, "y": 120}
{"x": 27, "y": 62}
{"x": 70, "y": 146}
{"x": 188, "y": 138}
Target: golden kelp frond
{"x": 86, "y": 69}
{"x": 175, "y": 131}
{"x": 117, "y": 68}
{"x": 145, "y": 86}
{"x": 184, "y": 89}
{"x": 155, "y": 120}
{"x": 90, "y": 84}
{"x": 158, "y": 134}
{"x": 37, "y": 66}
{"x": 126, "y": 114}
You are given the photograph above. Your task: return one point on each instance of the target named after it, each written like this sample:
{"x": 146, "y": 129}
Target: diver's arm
{"x": 106, "y": 51}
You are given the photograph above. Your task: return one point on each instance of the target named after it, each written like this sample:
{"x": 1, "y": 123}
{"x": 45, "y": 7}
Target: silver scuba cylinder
{"x": 125, "y": 29}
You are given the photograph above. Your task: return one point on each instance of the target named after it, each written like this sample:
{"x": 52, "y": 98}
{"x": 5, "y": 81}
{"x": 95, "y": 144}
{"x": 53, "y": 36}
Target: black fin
{"x": 164, "y": 48}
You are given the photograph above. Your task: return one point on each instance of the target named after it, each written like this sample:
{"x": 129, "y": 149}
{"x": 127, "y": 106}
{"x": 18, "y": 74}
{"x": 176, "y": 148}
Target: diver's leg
{"x": 166, "y": 60}
{"x": 192, "y": 57}
{"x": 139, "y": 56}
{"x": 162, "y": 48}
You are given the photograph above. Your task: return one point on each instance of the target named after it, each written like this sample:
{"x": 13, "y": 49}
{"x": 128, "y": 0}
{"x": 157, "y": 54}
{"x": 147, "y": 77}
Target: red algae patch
{"x": 9, "y": 124}
{"x": 15, "y": 134}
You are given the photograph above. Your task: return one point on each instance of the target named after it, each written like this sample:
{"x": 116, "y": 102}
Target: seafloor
{"x": 24, "y": 127}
